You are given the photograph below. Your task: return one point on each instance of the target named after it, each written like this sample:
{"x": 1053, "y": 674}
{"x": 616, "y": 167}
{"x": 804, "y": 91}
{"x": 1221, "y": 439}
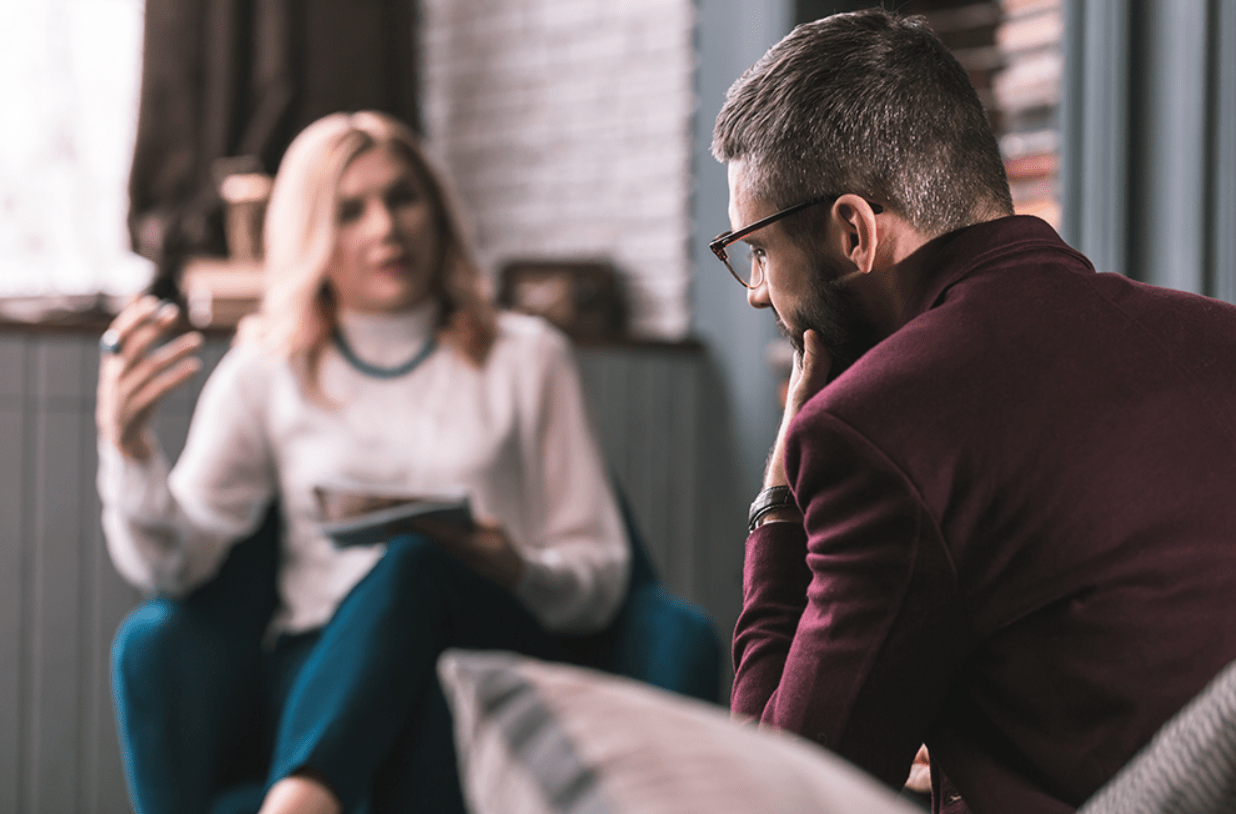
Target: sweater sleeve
{"x": 578, "y": 561}
{"x": 852, "y": 625}
{"x": 170, "y": 531}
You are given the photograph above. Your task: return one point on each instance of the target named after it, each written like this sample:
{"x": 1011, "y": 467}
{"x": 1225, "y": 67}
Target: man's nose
{"x": 757, "y": 296}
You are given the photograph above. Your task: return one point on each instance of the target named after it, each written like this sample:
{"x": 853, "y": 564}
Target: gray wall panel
{"x": 54, "y": 724}
{"x": 1169, "y": 167}
{"x": 13, "y": 366}
{"x": 12, "y": 589}
{"x": 1223, "y": 141}
{"x": 61, "y": 367}
{"x": 684, "y": 474}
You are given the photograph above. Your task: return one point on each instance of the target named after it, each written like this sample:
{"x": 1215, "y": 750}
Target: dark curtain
{"x": 240, "y": 78}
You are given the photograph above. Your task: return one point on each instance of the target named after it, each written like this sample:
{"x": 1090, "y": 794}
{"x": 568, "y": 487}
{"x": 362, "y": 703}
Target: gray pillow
{"x": 541, "y": 738}
{"x": 1189, "y": 767}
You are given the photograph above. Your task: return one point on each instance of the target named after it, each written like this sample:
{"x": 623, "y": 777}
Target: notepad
{"x": 358, "y": 518}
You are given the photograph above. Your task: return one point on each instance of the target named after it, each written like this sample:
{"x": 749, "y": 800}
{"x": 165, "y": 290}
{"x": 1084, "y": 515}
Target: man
{"x": 1005, "y": 526}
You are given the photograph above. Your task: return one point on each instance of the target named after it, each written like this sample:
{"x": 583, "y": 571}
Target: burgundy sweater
{"x": 1019, "y": 542}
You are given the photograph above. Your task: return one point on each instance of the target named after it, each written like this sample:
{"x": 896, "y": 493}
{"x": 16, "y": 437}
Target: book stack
{"x": 968, "y": 29}
{"x": 1027, "y": 93}
{"x": 1012, "y": 50}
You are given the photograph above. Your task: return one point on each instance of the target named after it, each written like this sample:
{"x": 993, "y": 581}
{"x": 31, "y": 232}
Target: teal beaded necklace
{"x": 376, "y": 372}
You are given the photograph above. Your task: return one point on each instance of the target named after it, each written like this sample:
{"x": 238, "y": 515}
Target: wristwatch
{"x": 770, "y": 499}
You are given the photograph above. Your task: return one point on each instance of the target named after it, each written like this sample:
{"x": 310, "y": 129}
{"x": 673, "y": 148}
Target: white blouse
{"x": 513, "y": 434}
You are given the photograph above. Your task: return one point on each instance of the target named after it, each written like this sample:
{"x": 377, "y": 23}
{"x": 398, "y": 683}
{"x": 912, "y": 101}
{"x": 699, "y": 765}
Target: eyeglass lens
{"x": 744, "y": 264}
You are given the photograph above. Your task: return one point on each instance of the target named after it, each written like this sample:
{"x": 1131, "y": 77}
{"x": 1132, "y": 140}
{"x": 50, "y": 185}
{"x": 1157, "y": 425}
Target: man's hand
{"x": 808, "y": 377}
{"x": 484, "y": 548}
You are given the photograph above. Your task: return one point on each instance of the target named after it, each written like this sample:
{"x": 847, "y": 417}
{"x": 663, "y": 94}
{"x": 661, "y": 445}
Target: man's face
{"x": 804, "y": 286}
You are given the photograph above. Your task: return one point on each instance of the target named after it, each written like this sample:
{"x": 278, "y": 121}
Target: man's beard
{"x": 839, "y": 318}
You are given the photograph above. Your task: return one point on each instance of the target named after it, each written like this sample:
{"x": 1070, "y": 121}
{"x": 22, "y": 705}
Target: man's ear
{"x": 859, "y": 235}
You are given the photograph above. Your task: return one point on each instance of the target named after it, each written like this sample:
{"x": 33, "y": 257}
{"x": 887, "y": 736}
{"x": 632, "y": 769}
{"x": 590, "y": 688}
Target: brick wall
{"x": 565, "y": 125}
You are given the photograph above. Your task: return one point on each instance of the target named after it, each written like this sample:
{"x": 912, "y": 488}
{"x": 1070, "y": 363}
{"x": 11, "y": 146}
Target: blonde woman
{"x": 375, "y": 359}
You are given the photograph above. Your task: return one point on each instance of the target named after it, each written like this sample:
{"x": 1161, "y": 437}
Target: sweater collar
{"x": 946, "y": 260}
{"x": 389, "y": 339}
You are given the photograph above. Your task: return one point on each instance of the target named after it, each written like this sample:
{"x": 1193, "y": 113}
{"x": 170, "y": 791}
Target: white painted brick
{"x": 567, "y": 126}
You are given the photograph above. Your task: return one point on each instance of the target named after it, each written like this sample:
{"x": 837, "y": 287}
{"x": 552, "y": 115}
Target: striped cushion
{"x": 540, "y": 738}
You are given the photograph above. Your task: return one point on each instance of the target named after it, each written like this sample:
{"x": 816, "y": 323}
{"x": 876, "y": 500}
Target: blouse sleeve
{"x": 170, "y": 531}
{"x": 578, "y": 562}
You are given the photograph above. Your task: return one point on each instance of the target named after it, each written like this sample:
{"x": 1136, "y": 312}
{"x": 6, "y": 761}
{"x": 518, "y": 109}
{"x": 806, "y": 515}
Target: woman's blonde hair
{"x": 298, "y": 312}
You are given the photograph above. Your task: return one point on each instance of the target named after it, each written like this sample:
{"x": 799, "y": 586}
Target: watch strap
{"x": 770, "y": 499}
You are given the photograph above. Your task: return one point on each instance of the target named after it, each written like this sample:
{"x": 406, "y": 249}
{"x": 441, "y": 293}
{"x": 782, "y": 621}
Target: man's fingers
{"x": 811, "y": 371}
{"x": 816, "y": 361}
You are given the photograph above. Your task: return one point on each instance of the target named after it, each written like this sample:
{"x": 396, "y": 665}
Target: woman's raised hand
{"x": 133, "y": 378}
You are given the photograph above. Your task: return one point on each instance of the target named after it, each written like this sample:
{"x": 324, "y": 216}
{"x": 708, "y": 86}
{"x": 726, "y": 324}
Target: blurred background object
{"x": 582, "y": 298}
{"x": 217, "y": 292}
{"x": 244, "y": 189}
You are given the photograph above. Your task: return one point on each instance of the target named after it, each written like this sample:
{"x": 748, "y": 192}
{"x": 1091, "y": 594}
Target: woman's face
{"x": 386, "y": 243}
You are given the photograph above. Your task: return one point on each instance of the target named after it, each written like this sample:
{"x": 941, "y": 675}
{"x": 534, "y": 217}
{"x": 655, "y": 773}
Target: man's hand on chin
{"x": 808, "y": 377}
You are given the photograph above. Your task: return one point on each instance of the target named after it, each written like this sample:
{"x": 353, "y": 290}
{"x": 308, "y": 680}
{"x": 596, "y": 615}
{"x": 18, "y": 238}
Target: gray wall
{"x": 61, "y": 600}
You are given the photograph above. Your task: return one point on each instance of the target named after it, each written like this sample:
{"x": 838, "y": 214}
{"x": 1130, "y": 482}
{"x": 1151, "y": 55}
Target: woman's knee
{"x": 169, "y": 665}
{"x": 148, "y": 637}
{"x": 163, "y": 638}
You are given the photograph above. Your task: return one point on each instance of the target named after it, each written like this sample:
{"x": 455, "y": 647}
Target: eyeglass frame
{"x": 719, "y": 243}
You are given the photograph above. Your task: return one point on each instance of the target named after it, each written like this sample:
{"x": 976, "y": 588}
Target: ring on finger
{"x": 110, "y": 342}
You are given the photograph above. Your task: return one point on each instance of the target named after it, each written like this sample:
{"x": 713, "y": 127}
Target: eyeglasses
{"x": 720, "y": 242}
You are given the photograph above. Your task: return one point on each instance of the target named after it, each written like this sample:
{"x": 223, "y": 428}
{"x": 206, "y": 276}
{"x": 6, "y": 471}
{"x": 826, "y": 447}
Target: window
{"x": 69, "y": 73}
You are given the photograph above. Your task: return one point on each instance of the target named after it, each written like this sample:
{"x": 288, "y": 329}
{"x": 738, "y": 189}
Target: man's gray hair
{"x": 870, "y": 103}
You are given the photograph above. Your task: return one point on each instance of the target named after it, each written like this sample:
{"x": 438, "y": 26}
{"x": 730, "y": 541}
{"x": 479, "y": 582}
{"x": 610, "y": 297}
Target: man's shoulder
{"x": 948, "y": 377}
